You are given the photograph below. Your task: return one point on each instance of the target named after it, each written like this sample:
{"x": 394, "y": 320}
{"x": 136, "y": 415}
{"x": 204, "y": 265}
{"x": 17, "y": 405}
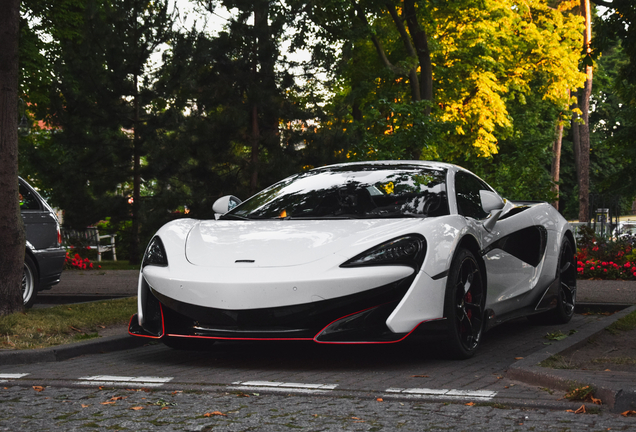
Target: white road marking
{"x": 281, "y": 386}
{"x": 143, "y": 381}
{"x": 444, "y": 393}
{"x": 12, "y": 375}
{"x": 4, "y": 378}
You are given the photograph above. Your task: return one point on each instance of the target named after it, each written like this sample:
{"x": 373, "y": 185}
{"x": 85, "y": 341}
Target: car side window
{"x": 28, "y": 200}
{"x": 467, "y": 189}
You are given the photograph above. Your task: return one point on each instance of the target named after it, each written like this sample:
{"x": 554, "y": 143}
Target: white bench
{"x": 90, "y": 239}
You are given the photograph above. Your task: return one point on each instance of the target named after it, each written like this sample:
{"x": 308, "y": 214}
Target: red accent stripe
{"x": 163, "y": 333}
{"x": 239, "y": 338}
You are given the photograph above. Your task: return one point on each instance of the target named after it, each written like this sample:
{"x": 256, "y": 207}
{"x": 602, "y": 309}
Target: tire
{"x": 566, "y": 297}
{"x": 187, "y": 344}
{"x": 29, "y": 282}
{"x": 464, "y": 305}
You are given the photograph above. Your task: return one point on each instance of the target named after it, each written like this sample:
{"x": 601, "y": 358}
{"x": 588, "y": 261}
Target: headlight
{"x": 155, "y": 254}
{"x": 408, "y": 250}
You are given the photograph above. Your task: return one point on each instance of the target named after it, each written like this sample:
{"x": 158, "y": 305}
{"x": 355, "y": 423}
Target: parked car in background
{"x": 44, "y": 255}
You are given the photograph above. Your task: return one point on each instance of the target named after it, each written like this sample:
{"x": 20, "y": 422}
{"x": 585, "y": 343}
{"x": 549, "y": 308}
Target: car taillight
{"x": 59, "y": 236}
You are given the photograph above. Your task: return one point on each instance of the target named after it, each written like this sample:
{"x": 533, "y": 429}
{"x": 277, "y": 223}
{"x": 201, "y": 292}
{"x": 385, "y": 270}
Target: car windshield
{"x": 351, "y": 192}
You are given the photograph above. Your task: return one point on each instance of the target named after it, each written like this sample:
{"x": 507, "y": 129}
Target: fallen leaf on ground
{"x": 164, "y": 408}
{"x": 628, "y": 413}
{"x": 214, "y": 413}
{"x": 355, "y": 418}
{"x": 136, "y": 408}
{"x": 108, "y": 403}
{"x": 470, "y": 404}
{"x": 85, "y": 406}
{"x": 581, "y": 410}
{"x": 380, "y": 400}
{"x": 518, "y": 358}
{"x": 116, "y": 398}
{"x": 38, "y": 388}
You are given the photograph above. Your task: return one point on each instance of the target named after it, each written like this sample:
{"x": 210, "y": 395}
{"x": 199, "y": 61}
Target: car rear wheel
{"x": 566, "y": 297}
{"x": 29, "y": 282}
{"x": 464, "y": 305}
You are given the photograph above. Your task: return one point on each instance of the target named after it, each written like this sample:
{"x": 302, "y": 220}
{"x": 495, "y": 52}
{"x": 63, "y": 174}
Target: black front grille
{"x": 297, "y": 321}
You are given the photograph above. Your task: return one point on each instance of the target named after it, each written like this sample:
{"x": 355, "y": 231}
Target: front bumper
{"x": 354, "y": 318}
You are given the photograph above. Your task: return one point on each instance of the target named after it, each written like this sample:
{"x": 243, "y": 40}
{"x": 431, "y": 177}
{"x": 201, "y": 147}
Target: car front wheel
{"x": 464, "y": 305}
{"x": 29, "y": 282}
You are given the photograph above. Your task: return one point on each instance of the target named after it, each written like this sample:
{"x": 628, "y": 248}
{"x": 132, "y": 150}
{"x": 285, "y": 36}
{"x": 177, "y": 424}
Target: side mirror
{"x": 225, "y": 204}
{"x": 490, "y": 201}
{"x": 493, "y": 204}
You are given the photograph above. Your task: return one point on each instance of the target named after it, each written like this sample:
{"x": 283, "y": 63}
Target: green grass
{"x": 626, "y": 323}
{"x": 40, "y": 328}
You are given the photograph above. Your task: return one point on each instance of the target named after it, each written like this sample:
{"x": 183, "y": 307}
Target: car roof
{"x": 430, "y": 164}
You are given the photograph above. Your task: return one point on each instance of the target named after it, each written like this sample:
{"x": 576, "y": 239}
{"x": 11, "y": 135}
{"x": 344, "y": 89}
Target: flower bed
{"x": 78, "y": 263}
{"x": 605, "y": 258}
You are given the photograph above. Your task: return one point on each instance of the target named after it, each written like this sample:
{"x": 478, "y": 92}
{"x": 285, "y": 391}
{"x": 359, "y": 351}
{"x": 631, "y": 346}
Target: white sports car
{"x": 359, "y": 253}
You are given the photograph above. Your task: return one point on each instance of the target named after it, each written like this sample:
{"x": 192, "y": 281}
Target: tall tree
{"x": 12, "y": 236}
{"x": 582, "y": 128}
{"x": 98, "y": 104}
{"x": 484, "y": 54}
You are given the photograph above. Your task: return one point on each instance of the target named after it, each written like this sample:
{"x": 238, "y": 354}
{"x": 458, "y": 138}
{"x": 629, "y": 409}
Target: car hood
{"x": 286, "y": 243}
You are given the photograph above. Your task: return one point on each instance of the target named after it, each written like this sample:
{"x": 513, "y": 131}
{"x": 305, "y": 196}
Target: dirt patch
{"x": 615, "y": 351}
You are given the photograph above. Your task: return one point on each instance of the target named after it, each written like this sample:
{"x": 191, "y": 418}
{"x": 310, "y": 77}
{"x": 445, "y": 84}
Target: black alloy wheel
{"x": 464, "y": 305}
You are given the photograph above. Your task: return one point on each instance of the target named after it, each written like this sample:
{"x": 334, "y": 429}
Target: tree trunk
{"x": 12, "y": 237}
{"x": 584, "y": 129}
{"x": 256, "y": 135}
{"x": 420, "y": 40}
{"x": 556, "y": 162}
{"x": 133, "y": 251}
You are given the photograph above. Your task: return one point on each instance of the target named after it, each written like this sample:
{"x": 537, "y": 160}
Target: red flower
{"x": 604, "y": 263}
{"x": 605, "y": 270}
{"x": 591, "y": 268}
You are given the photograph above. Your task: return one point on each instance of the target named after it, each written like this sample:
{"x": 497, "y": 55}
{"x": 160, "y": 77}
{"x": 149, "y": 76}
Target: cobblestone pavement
{"x": 394, "y": 370}
{"x": 73, "y": 409}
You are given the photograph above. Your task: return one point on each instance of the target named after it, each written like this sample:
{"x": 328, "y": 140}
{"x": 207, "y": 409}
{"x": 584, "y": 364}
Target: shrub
{"x": 605, "y": 258}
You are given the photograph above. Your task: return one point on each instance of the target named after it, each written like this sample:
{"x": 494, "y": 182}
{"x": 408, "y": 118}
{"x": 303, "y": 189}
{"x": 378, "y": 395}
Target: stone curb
{"x": 64, "y": 352}
{"x": 617, "y": 390}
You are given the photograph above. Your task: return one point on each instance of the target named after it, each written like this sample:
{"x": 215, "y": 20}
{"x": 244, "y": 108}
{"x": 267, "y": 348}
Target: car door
{"x": 512, "y": 250}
